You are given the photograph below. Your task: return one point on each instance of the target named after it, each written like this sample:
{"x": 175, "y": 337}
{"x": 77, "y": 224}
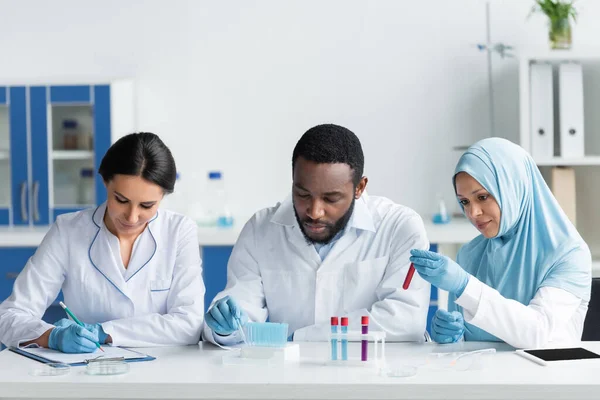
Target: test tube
{"x": 344, "y": 338}
{"x": 334, "y": 341}
{"x": 364, "y": 321}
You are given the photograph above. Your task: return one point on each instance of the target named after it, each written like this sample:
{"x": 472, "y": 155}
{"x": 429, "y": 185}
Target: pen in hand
{"x": 78, "y": 322}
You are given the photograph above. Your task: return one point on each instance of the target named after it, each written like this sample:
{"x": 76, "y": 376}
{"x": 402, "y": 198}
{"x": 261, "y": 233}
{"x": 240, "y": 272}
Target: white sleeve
{"x": 244, "y": 284}
{"x": 402, "y": 314}
{"x": 36, "y": 287}
{"x": 519, "y": 325}
{"x": 182, "y": 324}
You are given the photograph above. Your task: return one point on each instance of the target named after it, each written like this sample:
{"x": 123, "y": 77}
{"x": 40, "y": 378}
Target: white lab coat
{"x": 274, "y": 272}
{"x": 553, "y": 315}
{"x": 160, "y": 301}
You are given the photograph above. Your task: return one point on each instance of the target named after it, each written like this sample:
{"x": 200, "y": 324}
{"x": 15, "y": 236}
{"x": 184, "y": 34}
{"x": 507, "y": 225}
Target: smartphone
{"x": 543, "y": 356}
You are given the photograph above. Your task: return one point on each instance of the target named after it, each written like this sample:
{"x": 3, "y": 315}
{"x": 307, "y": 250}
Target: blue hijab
{"x": 536, "y": 245}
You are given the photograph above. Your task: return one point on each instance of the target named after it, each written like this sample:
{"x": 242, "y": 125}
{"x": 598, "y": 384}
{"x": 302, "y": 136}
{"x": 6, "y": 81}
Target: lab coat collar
{"x": 361, "y": 219}
{"x": 101, "y": 255}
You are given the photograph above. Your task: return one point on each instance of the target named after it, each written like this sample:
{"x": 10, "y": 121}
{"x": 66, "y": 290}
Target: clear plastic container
{"x": 213, "y": 210}
{"x": 50, "y": 369}
{"x": 86, "y": 187}
{"x": 107, "y": 367}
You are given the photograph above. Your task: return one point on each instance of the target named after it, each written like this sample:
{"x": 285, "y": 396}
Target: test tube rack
{"x": 354, "y": 339}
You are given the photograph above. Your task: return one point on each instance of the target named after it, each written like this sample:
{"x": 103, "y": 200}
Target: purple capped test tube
{"x": 364, "y": 321}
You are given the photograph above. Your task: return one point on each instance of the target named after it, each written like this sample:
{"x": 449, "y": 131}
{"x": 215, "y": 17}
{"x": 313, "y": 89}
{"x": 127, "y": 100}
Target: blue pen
{"x": 78, "y": 322}
{"x": 345, "y": 338}
{"x": 334, "y": 325}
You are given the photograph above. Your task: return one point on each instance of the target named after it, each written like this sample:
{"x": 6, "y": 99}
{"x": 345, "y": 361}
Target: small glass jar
{"x": 70, "y": 134}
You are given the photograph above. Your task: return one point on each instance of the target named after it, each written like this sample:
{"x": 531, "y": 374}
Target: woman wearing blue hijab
{"x": 526, "y": 279}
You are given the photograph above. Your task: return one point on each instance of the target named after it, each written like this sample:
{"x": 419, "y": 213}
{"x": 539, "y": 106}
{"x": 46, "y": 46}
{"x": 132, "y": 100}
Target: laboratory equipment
{"x": 458, "y": 361}
{"x": 70, "y": 133}
{"x": 398, "y": 371}
{"x": 334, "y": 340}
{"x": 409, "y": 276}
{"x": 364, "y": 322}
{"x": 344, "y": 338}
{"x": 441, "y": 217}
{"x": 266, "y": 334}
{"x": 213, "y": 211}
{"x": 266, "y": 344}
{"x": 108, "y": 366}
{"x": 241, "y": 330}
{"x": 50, "y": 369}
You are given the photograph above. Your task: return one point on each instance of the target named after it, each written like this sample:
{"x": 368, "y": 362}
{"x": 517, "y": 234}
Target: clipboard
{"x": 48, "y": 356}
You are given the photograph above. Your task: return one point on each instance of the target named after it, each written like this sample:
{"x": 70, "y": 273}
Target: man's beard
{"x": 334, "y": 229}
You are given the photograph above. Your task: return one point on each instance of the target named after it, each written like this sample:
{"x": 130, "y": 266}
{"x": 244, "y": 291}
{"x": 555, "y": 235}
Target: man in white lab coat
{"x": 327, "y": 250}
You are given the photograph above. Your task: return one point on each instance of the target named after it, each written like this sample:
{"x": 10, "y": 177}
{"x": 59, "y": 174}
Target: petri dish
{"x": 398, "y": 371}
{"x": 107, "y": 368}
{"x": 51, "y": 369}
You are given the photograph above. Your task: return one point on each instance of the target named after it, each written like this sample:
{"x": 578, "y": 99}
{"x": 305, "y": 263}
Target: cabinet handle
{"x": 36, "y": 198}
{"x": 24, "y": 216}
{"x": 12, "y": 275}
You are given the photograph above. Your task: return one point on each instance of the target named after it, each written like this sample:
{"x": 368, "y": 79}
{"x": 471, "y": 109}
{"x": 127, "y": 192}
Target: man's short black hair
{"x": 331, "y": 144}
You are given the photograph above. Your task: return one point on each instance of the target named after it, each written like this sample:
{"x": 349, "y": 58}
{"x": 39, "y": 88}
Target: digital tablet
{"x": 542, "y": 356}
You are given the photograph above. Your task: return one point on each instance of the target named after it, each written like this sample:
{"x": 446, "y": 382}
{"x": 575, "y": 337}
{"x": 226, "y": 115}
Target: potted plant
{"x": 559, "y": 13}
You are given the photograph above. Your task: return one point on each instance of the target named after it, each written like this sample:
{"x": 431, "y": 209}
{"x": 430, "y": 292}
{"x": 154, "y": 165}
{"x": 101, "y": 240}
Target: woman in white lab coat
{"x": 526, "y": 279}
{"x": 131, "y": 272}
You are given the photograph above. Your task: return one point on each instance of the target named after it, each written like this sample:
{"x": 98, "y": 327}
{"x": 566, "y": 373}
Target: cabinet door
{"x": 70, "y": 118}
{"x": 40, "y": 209}
{"x": 19, "y": 160}
{"x": 102, "y": 135}
{"x": 12, "y": 262}
{"x": 5, "y": 187}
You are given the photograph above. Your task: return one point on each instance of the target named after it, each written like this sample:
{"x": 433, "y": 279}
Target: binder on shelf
{"x": 570, "y": 78}
{"x": 542, "y": 111}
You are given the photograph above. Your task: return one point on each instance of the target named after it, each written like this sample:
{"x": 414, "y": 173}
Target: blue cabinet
{"x": 52, "y": 139}
{"x": 13, "y": 262}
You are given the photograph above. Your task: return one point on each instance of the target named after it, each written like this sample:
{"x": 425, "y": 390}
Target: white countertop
{"x": 456, "y": 232}
{"x": 194, "y": 372}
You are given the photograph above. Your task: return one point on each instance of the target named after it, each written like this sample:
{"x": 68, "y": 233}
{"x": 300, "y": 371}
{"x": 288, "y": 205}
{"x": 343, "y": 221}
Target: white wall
{"x": 233, "y": 85}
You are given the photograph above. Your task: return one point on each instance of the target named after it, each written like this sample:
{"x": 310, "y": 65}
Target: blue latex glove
{"x": 225, "y": 316}
{"x": 440, "y": 271}
{"x": 72, "y": 339}
{"x": 447, "y": 327}
{"x": 96, "y": 329}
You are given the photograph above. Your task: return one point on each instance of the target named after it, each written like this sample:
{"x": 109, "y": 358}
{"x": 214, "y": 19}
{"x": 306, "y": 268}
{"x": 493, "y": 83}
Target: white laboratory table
{"x": 457, "y": 232}
{"x": 195, "y": 372}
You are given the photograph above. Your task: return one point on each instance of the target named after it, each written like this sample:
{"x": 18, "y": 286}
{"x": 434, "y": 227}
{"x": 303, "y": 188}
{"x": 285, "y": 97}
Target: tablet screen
{"x": 576, "y": 353}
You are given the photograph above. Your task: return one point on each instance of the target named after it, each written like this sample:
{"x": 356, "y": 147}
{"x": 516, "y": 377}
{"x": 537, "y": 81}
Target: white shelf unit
{"x": 584, "y": 169}
{"x": 568, "y": 162}
{"x": 4, "y": 155}
{"x": 72, "y": 155}
{"x": 591, "y": 77}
